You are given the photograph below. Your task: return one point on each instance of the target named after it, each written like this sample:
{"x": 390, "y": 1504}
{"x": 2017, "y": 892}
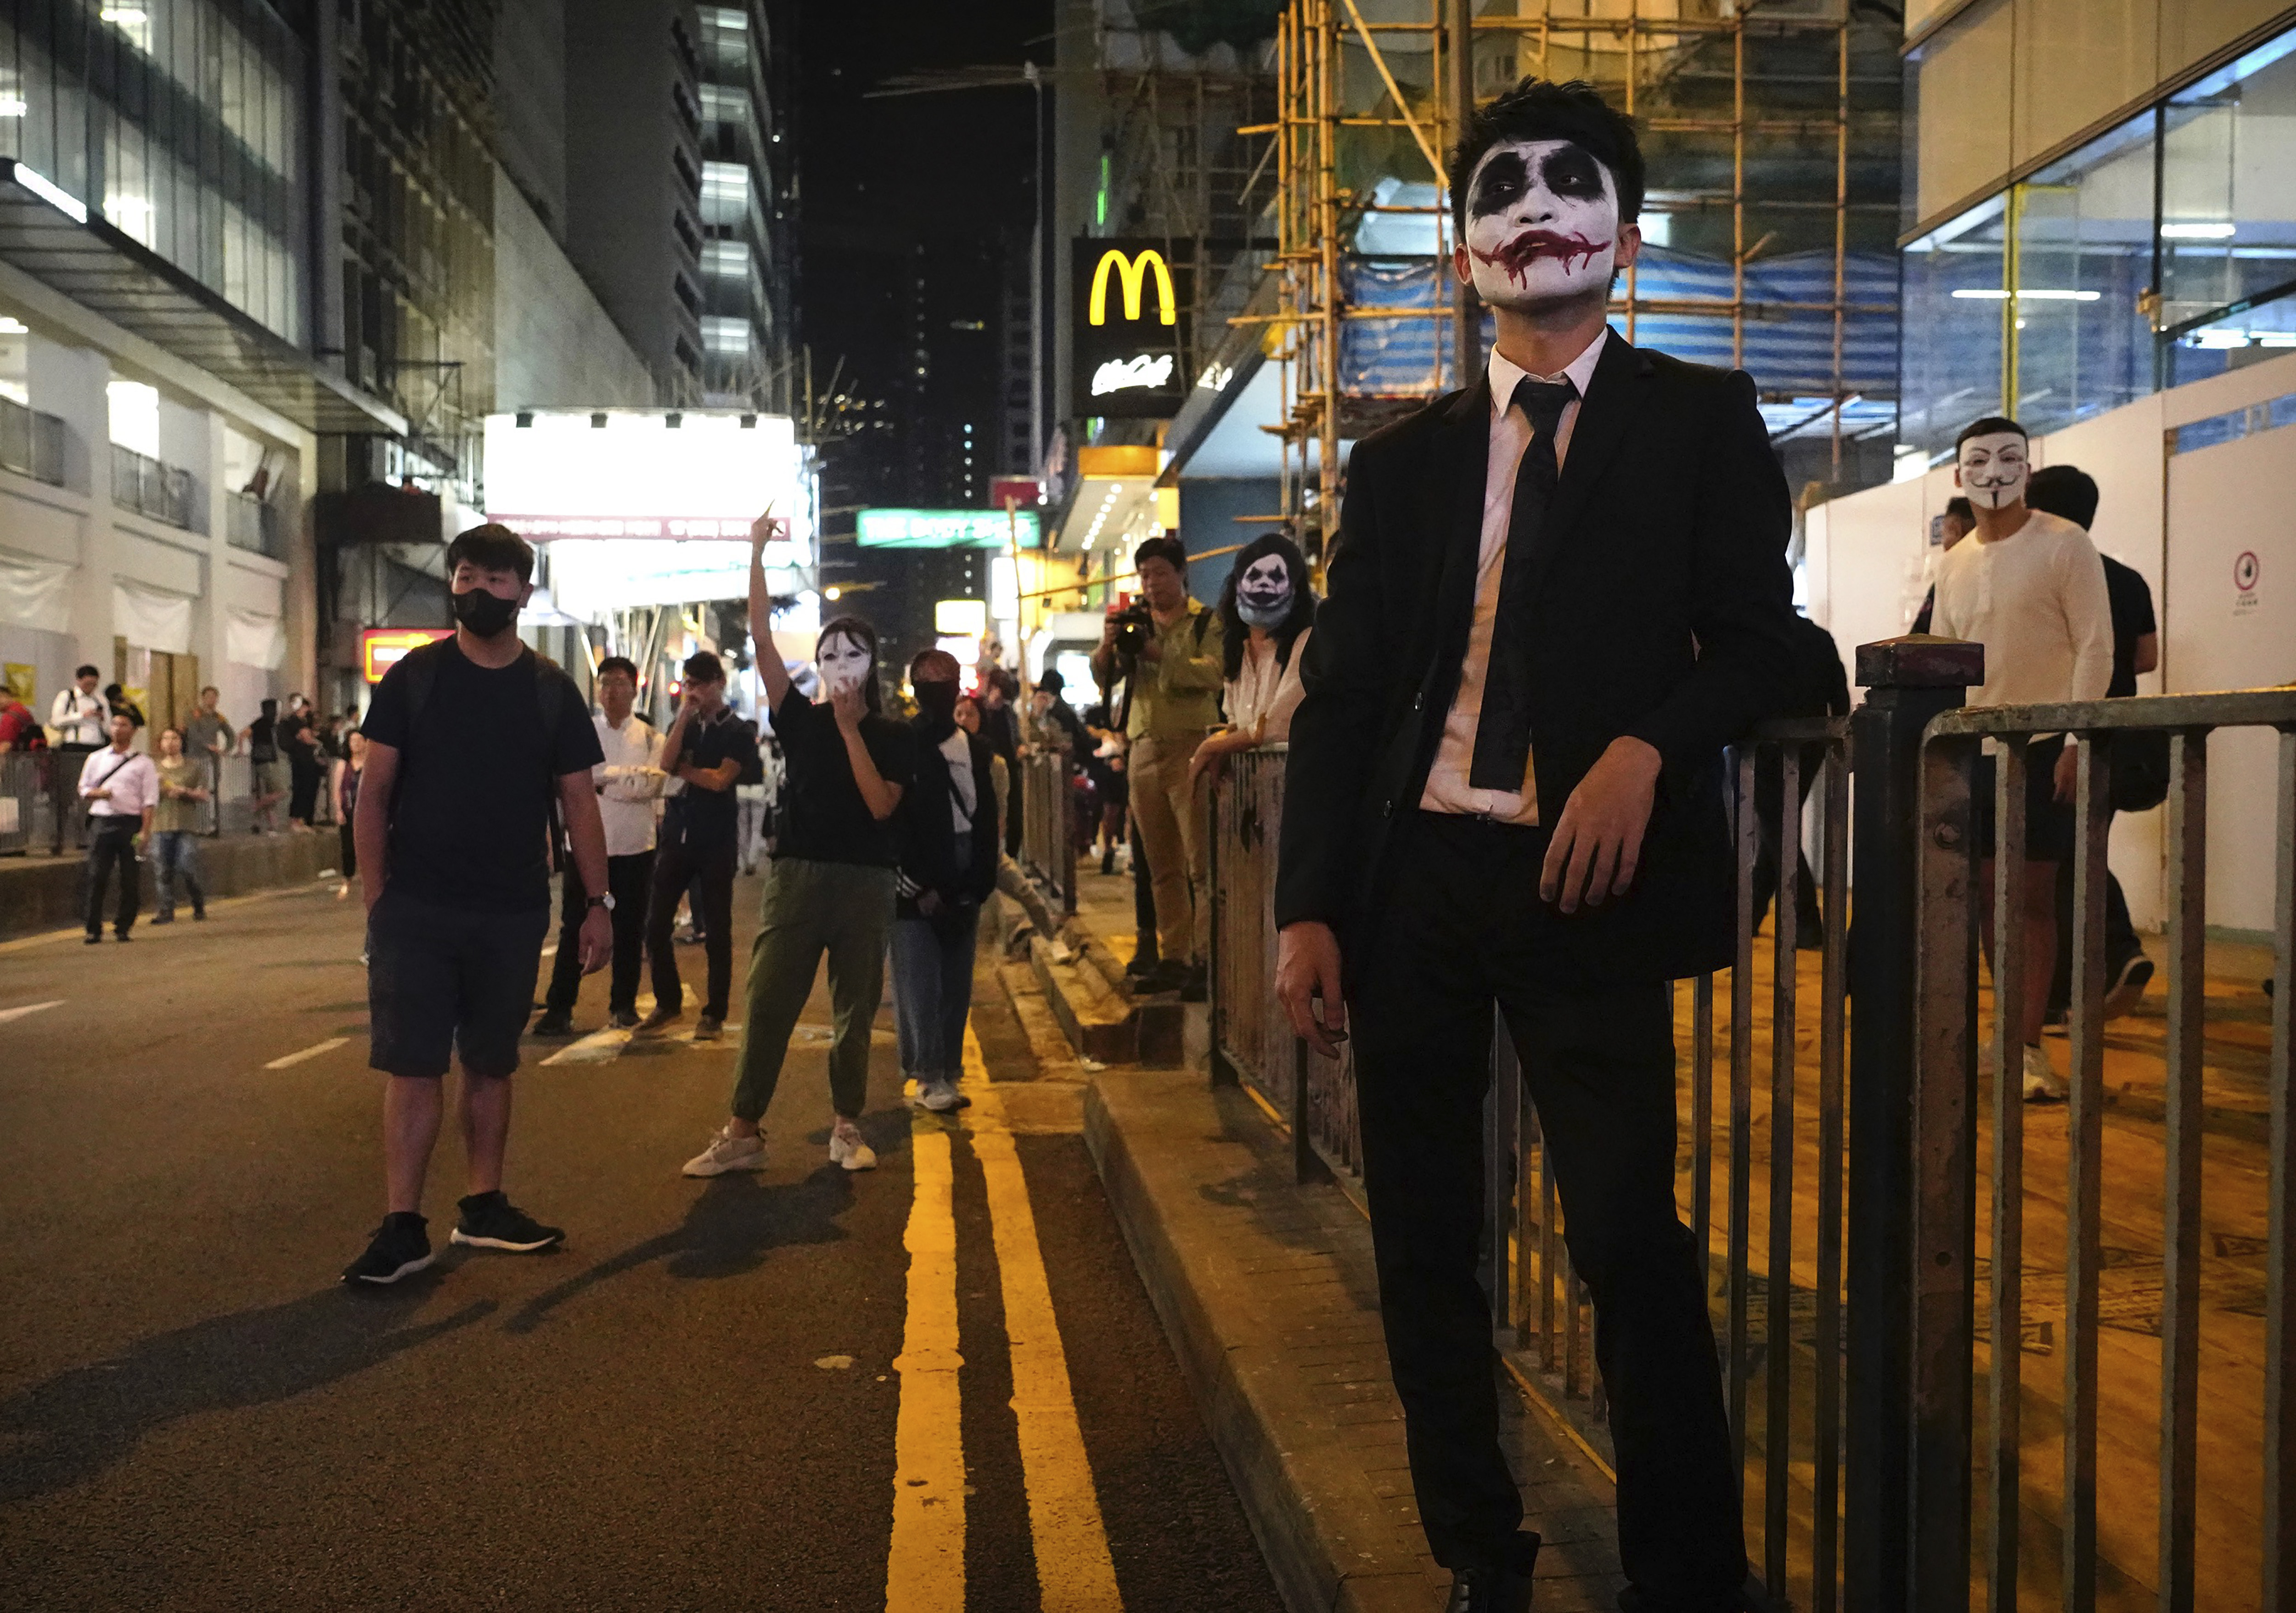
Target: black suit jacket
{"x": 1662, "y": 608}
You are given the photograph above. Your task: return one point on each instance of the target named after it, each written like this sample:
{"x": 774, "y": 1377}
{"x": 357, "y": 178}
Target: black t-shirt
{"x": 2131, "y": 603}
{"x": 823, "y": 818}
{"x": 704, "y": 819}
{"x": 471, "y": 811}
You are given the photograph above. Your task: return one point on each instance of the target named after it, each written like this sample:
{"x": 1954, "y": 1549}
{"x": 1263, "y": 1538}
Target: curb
{"x": 42, "y": 895}
{"x": 1084, "y": 984}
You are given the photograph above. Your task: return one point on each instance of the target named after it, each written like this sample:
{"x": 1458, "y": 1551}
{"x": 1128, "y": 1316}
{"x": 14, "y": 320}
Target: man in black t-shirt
{"x": 707, "y": 751}
{"x": 471, "y": 742}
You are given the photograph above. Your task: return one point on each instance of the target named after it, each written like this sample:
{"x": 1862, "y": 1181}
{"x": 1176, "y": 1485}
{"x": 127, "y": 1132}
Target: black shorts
{"x": 443, "y": 980}
{"x": 2048, "y": 821}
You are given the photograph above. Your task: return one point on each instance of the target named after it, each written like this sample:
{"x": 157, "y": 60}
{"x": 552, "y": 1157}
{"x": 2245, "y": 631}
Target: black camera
{"x": 1133, "y": 627}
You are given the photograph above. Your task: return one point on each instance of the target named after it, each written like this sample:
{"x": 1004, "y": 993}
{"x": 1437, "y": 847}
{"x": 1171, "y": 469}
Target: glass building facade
{"x": 2160, "y": 252}
{"x": 180, "y": 123}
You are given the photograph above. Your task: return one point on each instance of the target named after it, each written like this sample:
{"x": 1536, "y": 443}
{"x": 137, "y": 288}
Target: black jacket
{"x": 926, "y": 823}
{"x": 1663, "y": 609}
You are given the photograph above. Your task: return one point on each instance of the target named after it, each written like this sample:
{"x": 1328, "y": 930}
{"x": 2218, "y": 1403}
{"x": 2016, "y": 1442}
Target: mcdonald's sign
{"x": 1129, "y": 326}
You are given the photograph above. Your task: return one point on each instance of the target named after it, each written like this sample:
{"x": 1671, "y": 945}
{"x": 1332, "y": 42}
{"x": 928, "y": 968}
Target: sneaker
{"x": 199, "y": 915}
{"x": 707, "y": 1027}
{"x": 728, "y": 1152}
{"x": 2128, "y": 988}
{"x": 622, "y": 1019}
{"x": 934, "y": 1093}
{"x": 120, "y": 934}
{"x": 94, "y": 938}
{"x": 846, "y": 1148}
{"x": 659, "y": 1017}
{"x": 555, "y": 1022}
{"x": 1143, "y": 964}
{"x": 1195, "y": 985}
{"x": 163, "y": 918}
{"x": 400, "y": 1248}
{"x": 2042, "y": 1083}
{"x": 488, "y": 1221}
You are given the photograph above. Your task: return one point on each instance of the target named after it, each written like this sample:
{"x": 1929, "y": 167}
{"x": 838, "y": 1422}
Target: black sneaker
{"x": 554, "y": 1023}
{"x": 2128, "y": 983}
{"x": 401, "y": 1247}
{"x": 708, "y": 1028}
{"x": 95, "y": 938}
{"x": 623, "y": 1019}
{"x": 163, "y": 918}
{"x": 488, "y": 1221}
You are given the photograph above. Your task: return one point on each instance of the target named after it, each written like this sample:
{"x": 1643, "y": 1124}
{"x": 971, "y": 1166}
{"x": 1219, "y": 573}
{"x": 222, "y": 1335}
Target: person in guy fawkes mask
{"x": 1268, "y": 612}
{"x": 1554, "y": 596}
{"x": 947, "y": 826}
{"x": 473, "y": 743}
{"x": 829, "y": 888}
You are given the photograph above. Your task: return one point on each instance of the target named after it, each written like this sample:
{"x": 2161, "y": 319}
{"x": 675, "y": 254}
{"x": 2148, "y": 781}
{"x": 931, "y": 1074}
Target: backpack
{"x": 550, "y": 687}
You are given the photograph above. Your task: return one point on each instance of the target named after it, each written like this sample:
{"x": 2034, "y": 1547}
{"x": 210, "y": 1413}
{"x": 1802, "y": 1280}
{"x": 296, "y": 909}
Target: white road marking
{"x": 599, "y": 1046}
{"x": 551, "y": 950}
{"x": 313, "y": 1051}
{"x": 30, "y": 1007}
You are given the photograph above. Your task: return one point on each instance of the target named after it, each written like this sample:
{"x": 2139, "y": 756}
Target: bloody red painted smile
{"x": 1518, "y": 255}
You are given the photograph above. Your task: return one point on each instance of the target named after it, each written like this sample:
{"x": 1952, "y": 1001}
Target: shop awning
{"x": 52, "y": 236}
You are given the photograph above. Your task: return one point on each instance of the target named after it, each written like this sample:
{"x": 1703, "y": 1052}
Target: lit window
{"x": 134, "y": 410}
{"x": 726, "y": 337}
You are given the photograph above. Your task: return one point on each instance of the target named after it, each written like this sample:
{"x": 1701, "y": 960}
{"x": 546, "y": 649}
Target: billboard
{"x": 381, "y": 648}
{"x": 946, "y": 528}
{"x": 1130, "y": 298}
{"x": 647, "y": 474}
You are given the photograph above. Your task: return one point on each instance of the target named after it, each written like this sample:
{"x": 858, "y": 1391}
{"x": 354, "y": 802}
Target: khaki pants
{"x": 1174, "y": 831}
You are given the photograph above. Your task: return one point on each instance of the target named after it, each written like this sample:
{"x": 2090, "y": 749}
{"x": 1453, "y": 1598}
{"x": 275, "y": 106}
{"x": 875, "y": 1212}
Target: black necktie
{"x": 1502, "y": 731}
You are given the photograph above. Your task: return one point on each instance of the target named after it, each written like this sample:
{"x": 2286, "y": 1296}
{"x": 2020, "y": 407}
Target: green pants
{"x": 845, "y": 910}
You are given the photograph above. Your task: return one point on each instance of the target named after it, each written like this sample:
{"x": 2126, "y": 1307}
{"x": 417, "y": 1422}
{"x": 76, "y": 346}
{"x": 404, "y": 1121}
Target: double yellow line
{"x": 924, "y": 1572}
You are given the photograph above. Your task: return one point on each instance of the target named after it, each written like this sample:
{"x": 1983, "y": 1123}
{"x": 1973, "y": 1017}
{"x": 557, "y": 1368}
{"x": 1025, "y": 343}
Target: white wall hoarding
{"x": 638, "y": 511}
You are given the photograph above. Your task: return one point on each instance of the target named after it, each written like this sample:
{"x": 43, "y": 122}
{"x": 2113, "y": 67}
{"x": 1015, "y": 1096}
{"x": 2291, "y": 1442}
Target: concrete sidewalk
{"x": 39, "y": 892}
{"x": 1267, "y": 1290}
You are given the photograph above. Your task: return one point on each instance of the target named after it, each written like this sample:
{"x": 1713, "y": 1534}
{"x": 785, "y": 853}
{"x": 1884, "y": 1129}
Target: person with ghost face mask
{"x": 1552, "y": 599}
{"x": 829, "y": 885}
{"x": 1268, "y": 612}
{"x": 2027, "y": 586}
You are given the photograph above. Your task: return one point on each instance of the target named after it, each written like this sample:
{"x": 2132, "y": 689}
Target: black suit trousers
{"x": 630, "y": 879}
{"x": 709, "y": 870}
{"x": 112, "y": 844}
{"x": 1462, "y": 930}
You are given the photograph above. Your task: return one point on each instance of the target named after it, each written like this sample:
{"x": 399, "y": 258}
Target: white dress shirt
{"x": 1448, "y": 789}
{"x": 629, "y": 782}
{"x": 134, "y": 783}
{"x": 80, "y": 719}
{"x": 1264, "y": 696}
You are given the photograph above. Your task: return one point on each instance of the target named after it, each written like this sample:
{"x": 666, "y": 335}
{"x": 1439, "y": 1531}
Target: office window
{"x": 1956, "y": 303}
{"x": 2083, "y": 256}
{"x": 726, "y": 337}
{"x": 2229, "y": 189}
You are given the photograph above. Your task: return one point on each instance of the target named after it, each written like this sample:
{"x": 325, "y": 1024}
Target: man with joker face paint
{"x": 1554, "y": 599}
{"x": 2027, "y": 586}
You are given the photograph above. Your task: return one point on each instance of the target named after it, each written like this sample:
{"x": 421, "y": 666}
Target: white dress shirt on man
{"x": 2036, "y": 601}
{"x": 1448, "y": 789}
{"x": 80, "y": 719}
{"x": 132, "y": 781}
{"x": 629, "y": 783}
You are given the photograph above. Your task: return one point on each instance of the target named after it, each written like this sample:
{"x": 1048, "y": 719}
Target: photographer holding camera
{"x": 1169, "y": 652}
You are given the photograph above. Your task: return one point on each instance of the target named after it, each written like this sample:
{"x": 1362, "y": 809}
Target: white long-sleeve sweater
{"x": 2036, "y": 601}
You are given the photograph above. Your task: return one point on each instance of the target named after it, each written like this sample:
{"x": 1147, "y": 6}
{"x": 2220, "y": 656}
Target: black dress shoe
{"x": 1498, "y": 1587}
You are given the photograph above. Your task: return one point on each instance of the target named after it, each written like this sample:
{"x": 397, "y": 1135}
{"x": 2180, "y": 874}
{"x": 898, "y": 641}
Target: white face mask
{"x": 1991, "y": 469}
{"x": 844, "y": 662}
{"x": 1263, "y": 593}
{"x": 1542, "y": 223}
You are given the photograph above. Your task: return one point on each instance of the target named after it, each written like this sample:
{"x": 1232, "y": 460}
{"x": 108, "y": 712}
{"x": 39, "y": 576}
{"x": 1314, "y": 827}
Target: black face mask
{"x": 484, "y": 613}
{"x": 937, "y": 705}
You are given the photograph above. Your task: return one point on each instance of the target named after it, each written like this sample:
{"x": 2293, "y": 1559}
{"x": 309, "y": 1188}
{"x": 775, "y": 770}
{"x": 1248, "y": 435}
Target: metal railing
{"x": 31, "y": 444}
{"x": 141, "y": 483}
{"x": 1832, "y": 1161}
{"x": 1048, "y": 848}
{"x": 23, "y": 788}
{"x": 252, "y": 524}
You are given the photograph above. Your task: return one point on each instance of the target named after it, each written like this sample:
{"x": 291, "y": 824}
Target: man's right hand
{"x": 1308, "y": 969}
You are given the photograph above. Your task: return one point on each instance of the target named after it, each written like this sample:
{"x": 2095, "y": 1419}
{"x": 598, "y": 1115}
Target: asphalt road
{"x": 693, "y": 1405}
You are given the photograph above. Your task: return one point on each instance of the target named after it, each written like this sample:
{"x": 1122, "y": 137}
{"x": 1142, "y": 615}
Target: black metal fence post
{"x": 1909, "y": 681}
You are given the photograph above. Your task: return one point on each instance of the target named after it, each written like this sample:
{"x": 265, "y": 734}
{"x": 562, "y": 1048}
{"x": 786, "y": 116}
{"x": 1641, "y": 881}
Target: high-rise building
{"x": 746, "y": 192}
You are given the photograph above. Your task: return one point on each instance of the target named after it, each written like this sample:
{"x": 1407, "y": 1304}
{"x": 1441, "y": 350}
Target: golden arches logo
{"x": 1132, "y": 274}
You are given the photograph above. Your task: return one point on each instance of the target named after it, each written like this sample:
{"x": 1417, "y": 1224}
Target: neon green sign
{"x": 946, "y": 528}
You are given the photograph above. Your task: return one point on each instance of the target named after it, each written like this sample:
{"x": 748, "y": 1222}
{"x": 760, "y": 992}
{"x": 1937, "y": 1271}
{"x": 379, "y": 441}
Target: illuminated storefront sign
{"x": 946, "y": 528}
{"x": 381, "y": 648}
{"x": 1132, "y": 298}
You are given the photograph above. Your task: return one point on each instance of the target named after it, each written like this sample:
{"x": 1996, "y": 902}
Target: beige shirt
{"x": 1448, "y": 789}
{"x": 1264, "y": 696}
{"x": 2036, "y": 601}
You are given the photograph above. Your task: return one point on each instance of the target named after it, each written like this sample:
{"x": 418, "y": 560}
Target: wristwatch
{"x": 605, "y": 901}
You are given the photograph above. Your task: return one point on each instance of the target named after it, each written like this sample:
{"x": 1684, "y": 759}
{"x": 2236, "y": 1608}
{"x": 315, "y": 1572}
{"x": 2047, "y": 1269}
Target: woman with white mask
{"x": 1268, "y": 612}
{"x": 829, "y": 885}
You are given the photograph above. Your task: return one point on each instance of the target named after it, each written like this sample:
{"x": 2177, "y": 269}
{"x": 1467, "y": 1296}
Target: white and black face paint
{"x": 1991, "y": 469}
{"x": 845, "y": 663}
{"x": 1542, "y": 223}
{"x": 1263, "y": 593}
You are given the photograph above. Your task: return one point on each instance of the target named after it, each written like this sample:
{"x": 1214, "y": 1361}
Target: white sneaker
{"x": 2042, "y": 1083}
{"x": 846, "y": 1148}
{"x": 937, "y": 1093}
{"x": 728, "y": 1152}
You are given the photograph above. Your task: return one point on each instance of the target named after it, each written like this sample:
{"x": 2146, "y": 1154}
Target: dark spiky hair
{"x": 1539, "y": 109}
